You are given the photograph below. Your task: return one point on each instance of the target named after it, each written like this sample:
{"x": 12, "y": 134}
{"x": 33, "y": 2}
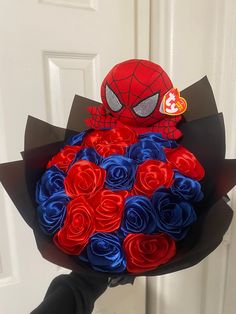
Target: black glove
{"x": 72, "y": 294}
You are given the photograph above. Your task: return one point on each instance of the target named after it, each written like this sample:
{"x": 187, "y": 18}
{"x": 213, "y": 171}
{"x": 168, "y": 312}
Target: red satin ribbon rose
{"x": 108, "y": 209}
{"x": 151, "y": 175}
{"x": 185, "y": 162}
{"x": 109, "y": 142}
{"x": 64, "y": 158}
{"x": 146, "y": 252}
{"x": 84, "y": 178}
{"x": 77, "y": 228}
{"x": 123, "y": 135}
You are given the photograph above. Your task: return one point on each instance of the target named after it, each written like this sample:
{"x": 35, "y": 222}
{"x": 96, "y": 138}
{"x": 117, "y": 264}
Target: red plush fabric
{"x": 132, "y": 93}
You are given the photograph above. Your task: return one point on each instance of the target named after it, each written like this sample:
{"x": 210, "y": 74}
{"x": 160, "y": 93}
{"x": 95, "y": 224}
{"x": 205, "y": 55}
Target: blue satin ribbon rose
{"x": 104, "y": 252}
{"x": 174, "y": 215}
{"x": 51, "y": 182}
{"x": 146, "y": 149}
{"x": 157, "y": 138}
{"x": 89, "y": 154}
{"x": 139, "y": 216}
{"x": 187, "y": 188}
{"x": 77, "y": 139}
{"x": 52, "y": 212}
{"x": 120, "y": 172}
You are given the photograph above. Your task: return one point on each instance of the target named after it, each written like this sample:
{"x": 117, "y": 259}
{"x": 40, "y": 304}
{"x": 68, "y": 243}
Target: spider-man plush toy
{"x": 132, "y": 93}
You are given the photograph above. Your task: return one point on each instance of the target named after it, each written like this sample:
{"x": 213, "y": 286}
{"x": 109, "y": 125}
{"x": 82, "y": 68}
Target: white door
{"x": 50, "y": 50}
{"x": 191, "y": 39}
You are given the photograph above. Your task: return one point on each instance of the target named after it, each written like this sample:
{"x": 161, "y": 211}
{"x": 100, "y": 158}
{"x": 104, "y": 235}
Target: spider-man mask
{"x": 133, "y": 90}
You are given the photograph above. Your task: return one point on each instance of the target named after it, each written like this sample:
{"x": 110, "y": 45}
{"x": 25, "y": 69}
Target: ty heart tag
{"x": 172, "y": 104}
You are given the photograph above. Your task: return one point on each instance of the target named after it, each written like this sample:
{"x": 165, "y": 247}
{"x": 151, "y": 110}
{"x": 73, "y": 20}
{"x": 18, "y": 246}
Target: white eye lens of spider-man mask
{"x": 112, "y": 100}
{"x": 147, "y": 106}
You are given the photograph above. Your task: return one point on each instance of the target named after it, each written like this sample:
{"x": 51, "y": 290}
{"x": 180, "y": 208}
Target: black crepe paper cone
{"x": 40, "y": 133}
{"x": 78, "y": 113}
{"x": 200, "y": 100}
{"x": 203, "y": 134}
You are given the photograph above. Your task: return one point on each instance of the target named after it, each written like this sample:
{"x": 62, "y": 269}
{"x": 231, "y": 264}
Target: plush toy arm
{"x": 100, "y": 118}
{"x": 97, "y": 110}
{"x": 167, "y": 127}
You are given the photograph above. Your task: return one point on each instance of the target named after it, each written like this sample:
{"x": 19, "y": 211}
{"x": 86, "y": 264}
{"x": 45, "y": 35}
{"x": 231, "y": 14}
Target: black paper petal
{"x": 79, "y": 113}
{"x": 200, "y": 100}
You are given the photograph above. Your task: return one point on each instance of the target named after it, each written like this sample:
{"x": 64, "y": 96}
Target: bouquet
{"x": 143, "y": 191}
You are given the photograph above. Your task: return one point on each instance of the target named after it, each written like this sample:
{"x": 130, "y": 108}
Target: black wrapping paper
{"x": 203, "y": 134}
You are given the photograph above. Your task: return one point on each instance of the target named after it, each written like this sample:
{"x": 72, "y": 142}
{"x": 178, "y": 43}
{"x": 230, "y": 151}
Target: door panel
{"x": 191, "y": 39}
{"x": 51, "y": 50}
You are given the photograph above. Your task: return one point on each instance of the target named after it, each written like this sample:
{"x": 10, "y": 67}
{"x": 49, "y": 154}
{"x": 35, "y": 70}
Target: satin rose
{"x": 51, "y": 182}
{"x": 174, "y": 214}
{"x": 151, "y": 175}
{"x": 185, "y": 162}
{"x": 77, "y": 139}
{"x": 158, "y": 138}
{"x": 89, "y": 154}
{"x": 145, "y": 149}
{"x": 139, "y": 216}
{"x": 77, "y": 228}
{"x": 108, "y": 209}
{"x": 110, "y": 142}
{"x": 120, "y": 172}
{"x": 146, "y": 252}
{"x": 51, "y": 213}
{"x": 104, "y": 252}
{"x": 64, "y": 158}
{"x": 84, "y": 178}
{"x": 186, "y": 188}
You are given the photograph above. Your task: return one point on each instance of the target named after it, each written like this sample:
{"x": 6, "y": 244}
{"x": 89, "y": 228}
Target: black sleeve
{"x": 72, "y": 294}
